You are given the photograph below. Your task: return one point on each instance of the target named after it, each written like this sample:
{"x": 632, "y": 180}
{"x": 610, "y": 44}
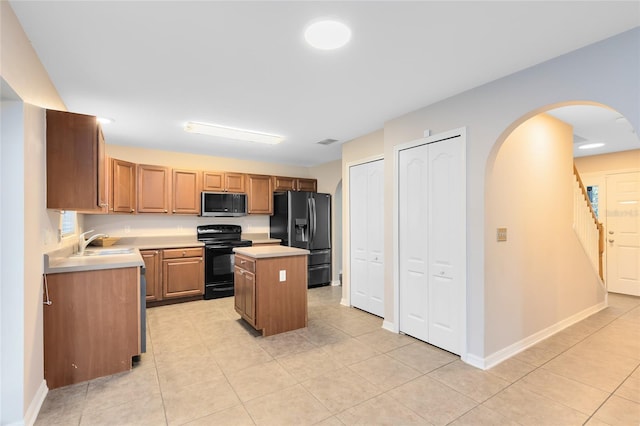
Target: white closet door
{"x": 446, "y": 238}
{"x": 432, "y": 244}
{"x": 366, "y": 205}
{"x": 412, "y": 213}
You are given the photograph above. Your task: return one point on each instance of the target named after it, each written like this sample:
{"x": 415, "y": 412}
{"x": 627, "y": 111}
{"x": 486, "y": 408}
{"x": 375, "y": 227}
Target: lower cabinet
{"x": 91, "y": 326}
{"x": 174, "y": 274}
{"x": 271, "y": 293}
{"x": 153, "y": 267}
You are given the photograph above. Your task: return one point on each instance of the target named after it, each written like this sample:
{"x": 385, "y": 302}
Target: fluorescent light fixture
{"x": 105, "y": 120}
{"x": 591, "y": 145}
{"x": 327, "y": 35}
{"x": 231, "y": 133}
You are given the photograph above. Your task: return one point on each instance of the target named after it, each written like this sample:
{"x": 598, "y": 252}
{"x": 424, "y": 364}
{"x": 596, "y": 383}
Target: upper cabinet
{"x": 122, "y": 197}
{"x": 76, "y": 169}
{"x": 259, "y": 194}
{"x": 223, "y": 182}
{"x": 185, "y": 197}
{"x": 153, "y": 189}
{"x": 283, "y": 183}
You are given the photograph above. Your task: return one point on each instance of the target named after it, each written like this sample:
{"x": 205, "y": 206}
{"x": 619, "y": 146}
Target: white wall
{"x": 28, "y": 234}
{"x": 12, "y": 248}
{"x": 549, "y": 276}
{"x": 605, "y": 72}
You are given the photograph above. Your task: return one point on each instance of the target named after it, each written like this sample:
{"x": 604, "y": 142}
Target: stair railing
{"x": 589, "y": 230}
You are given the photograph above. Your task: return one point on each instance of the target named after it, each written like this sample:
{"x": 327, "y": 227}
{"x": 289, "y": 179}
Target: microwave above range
{"x": 223, "y": 204}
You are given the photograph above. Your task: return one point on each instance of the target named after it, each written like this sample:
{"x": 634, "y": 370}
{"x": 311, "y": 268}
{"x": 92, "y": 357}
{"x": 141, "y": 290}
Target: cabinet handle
{"x": 242, "y": 262}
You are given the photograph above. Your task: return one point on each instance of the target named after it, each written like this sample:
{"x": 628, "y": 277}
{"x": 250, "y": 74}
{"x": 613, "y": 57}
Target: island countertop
{"x": 260, "y": 252}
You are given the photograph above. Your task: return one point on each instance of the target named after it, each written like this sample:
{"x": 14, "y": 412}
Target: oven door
{"x": 218, "y": 274}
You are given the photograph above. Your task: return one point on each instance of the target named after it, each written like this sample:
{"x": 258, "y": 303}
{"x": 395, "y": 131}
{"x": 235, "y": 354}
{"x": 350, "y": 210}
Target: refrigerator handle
{"x": 310, "y": 220}
{"x": 313, "y": 203}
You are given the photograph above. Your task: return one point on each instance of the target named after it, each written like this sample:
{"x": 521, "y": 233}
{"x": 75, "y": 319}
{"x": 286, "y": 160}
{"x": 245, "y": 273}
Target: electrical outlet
{"x": 501, "y": 234}
{"x": 283, "y": 276}
{"x": 127, "y": 229}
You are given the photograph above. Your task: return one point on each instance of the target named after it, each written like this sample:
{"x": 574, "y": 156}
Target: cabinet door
{"x": 250, "y": 297}
{"x": 123, "y": 186}
{"x": 213, "y": 181}
{"x": 238, "y": 291}
{"x": 186, "y": 192}
{"x": 234, "y": 182}
{"x": 310, "y": 185}
{"x": 281, "y": 183}
{"x": 91, "y": 328}
{"x": 152, "y": 266}
{"x": 75, "y": 162}
{"x": 153, "y": 189}
{"x": 259, "y": 194}
{"x": 182, "y": 277}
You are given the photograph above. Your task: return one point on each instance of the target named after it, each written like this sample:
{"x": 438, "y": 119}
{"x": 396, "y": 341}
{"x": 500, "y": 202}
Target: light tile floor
{"x": 204, "y": 366}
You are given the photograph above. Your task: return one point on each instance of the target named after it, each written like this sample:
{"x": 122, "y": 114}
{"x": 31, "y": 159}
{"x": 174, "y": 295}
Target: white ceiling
{"x": 153, "y": 65}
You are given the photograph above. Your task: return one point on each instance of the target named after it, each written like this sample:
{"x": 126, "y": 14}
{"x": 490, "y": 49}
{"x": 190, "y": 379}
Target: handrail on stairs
{"x": 596, "y": 223}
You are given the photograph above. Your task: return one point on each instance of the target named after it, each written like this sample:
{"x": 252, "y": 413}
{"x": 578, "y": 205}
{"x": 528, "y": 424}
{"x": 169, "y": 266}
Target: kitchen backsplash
{"x": 150, "y": 225}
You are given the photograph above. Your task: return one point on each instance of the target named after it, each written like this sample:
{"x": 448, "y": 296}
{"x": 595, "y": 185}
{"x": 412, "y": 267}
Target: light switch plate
{"x": 501, "y": 234}
{"x": 283, "y": 275}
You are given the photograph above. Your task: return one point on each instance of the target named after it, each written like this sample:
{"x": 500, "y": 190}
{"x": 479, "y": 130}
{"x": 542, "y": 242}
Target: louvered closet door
{"x": 366, "y": 204}
{"x": 432, "y": 245}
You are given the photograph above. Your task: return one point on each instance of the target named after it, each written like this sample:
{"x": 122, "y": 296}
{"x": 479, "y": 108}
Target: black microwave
{"x": 223, "y": 204}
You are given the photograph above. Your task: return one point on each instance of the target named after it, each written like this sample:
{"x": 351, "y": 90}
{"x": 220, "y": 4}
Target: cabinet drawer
{"x": 245, "y": 263}
{"x": 183, "y": 252}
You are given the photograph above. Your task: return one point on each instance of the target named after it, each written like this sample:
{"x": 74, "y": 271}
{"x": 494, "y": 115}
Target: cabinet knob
{"x": 184, "y": 253}
{"x": 242, "y": 262}
{"x": 132, "y": 210}
{"x": 174, "y": 211}
{"x": 166, "y": 211}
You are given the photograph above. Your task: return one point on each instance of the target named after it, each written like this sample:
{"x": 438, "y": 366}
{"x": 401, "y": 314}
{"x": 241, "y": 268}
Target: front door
{"x": 623, "y": 233}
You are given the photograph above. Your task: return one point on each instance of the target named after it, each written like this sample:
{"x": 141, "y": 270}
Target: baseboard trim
{"x": 36, "y": 403}
{"x": 389, "y": 326}
{"x": 344, "y": 302}
{"x": 511, "y": 350}
{"x": 335, "y": 283}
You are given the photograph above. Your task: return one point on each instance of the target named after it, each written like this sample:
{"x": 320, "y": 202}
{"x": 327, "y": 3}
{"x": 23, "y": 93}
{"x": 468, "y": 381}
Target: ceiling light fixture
{"x": 327, "y": 34}
{"x": 591, "y": 145}
{"x": 231, "y": 133}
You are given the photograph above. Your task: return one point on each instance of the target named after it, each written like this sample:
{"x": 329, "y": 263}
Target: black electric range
{"x": 219, "y": 242}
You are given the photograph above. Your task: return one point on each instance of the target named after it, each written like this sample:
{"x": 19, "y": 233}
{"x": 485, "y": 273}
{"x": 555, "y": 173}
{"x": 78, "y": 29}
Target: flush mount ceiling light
{"x": 327, "y": 34}
{"x": 591, "y": 145}
{"x": 231, "y": 133}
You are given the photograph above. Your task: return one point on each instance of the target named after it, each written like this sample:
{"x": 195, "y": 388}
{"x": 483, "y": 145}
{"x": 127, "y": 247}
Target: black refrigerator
{"x": 303, "y": 219}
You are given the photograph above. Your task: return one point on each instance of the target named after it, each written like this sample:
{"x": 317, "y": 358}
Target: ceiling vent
{"x": 327, "y": 141}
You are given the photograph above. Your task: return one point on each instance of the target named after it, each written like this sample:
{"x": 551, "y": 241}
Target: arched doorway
{"x": 537, "y": 277}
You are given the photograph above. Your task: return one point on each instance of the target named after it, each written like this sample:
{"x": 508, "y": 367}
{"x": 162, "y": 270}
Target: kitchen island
{"x": 271, "y": 287}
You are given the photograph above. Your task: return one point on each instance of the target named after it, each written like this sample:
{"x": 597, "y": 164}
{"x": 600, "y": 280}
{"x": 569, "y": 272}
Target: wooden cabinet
{"x": 153, "y": 189}
{"x": 153, "y": 268}
{"x": 92, "y": 326}
{"x": 267, "y": 298}
{"x": 185, "y": 192}
{"x": 259, "y": 194}
{"x": 76, "y": 169}
{"x": 310, "y": 185}
{"x": 182, "y": 272}
{"x": 123, "y": 187}
{"x": 244, "y": 282}
{"x": 283, "y": 183}
{"x": 223, "y": 182}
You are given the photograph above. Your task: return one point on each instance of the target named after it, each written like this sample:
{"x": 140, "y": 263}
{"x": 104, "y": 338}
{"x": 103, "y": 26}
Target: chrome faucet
{"x": 82, "y": 243}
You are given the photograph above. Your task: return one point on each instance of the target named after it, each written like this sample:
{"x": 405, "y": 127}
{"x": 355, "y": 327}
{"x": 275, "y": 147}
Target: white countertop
{"x": 63, "y": 261}
{"x": 270, "y": 251}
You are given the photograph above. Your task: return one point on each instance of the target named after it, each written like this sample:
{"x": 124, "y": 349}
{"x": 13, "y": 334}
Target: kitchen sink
{"x": 107, "y": 252}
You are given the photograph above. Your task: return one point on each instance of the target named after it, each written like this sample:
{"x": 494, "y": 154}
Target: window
{"x": 592, "y": 192}
{"x": 67, "y": 223}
